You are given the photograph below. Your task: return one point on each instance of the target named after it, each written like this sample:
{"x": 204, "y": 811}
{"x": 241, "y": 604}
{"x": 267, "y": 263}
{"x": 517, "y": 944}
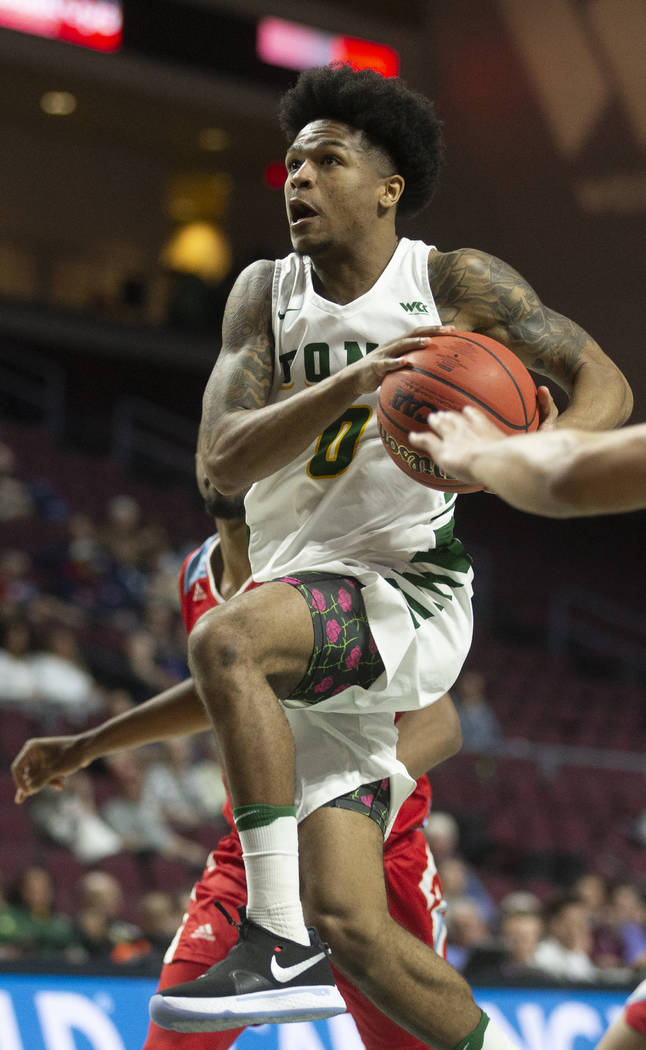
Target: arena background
{"x": 136, "y": 182}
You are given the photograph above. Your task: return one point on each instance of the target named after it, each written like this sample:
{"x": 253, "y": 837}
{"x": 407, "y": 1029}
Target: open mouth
{"x": 300, "y": 212}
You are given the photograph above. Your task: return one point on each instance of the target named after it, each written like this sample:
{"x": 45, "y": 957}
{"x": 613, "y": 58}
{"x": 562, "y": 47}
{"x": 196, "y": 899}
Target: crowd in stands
{"x": 99, "y": 871}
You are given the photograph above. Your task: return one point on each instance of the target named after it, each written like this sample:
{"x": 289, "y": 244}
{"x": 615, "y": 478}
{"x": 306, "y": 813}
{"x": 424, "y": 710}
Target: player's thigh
{"x": 342, "y": 872}
{"x": 161, "y": 1039}
{"x": 268, "y": 628}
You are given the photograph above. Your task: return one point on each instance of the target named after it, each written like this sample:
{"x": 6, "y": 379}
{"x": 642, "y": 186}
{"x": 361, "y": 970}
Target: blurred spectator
{"x": 187, "y": 794}
{"x": 162, "y": 620}
{"x": 520, "y": 935}
{"x": 565, "y": 952}
{"x": 122, "y": 525}
{"x": 99, "y": 930}
{"x": 459, "y": 878}
{"x": 15, "y": 498}
{"x": 91, "y": 938}
{"x": 520, "y": 902}
{"x": 102, "y": 892}
{"x": 480, "y": 728}
{"x": 40, "y": 929}
{"x": 18, "y": 587}
{"x": 607, "y": 949}
{"x": 78, "y": 563}
{"x": 61, "y": 679}
{"x": 146, "y": 665}
{"x": 17, "y": 684}
{"x": 205, "y": 778}
{"x": 466, "y": 931}
{"x": 628, "y": 916}
{"x": 142, "y": 827}
{"x": 70, "y": 818}
{"x": 159, "y": 919}
{"x": 10, "y": 946}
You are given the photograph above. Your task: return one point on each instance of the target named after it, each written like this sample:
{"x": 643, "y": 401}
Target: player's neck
{"x": 234, "y": 553}
{"x": 345, "y": 275}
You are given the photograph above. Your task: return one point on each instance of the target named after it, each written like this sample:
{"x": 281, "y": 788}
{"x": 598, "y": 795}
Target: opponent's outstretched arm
{"x": 46, "y": 761}
{"x": 560, "y": 473}
{"x": 426, "y": 737}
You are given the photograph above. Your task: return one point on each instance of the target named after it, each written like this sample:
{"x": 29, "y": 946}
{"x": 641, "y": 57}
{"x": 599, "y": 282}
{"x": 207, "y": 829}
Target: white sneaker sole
{"x": 188, "y": 1014}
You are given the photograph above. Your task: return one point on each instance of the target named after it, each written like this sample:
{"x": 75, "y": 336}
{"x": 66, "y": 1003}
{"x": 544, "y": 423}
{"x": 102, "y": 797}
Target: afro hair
{"x": 396, "y": 120}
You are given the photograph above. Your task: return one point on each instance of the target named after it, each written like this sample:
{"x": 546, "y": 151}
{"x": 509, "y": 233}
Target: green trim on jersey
{"x": 451, "y": 556}
{"x": 435, "y": 586}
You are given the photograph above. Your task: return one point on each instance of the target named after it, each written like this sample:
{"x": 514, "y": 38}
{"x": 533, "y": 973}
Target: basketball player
{"x": 216, "y": 571}
{"x": 628, "y": 1032}
{"x": 560, "y": 474}
{"x": 366, "y": 604}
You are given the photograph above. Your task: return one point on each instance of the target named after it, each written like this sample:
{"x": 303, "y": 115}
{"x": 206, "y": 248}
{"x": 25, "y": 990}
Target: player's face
{"x": 334, "y": 183}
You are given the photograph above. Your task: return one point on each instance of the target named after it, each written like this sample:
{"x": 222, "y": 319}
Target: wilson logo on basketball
{"x": 415, "y": 462}
{"x": 414, "y": 407}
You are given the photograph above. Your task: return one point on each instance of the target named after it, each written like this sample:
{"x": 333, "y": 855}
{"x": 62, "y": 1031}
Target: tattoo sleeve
{"x": 243, "y": 373}
{"x": 491, "y": 297}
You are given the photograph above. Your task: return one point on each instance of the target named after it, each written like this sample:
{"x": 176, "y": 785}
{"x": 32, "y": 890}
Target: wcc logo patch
{"x": 414, "y": 308}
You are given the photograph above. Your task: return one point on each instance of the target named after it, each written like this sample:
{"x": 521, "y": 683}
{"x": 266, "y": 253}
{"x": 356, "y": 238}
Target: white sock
{"x": 270, "y": 854}
{"x": 495, "y": 1039}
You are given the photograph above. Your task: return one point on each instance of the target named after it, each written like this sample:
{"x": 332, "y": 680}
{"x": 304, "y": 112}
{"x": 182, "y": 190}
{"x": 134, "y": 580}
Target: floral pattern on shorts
{"x": 345, "y": 653}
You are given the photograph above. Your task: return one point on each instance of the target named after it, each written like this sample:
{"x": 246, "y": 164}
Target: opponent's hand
{"x": 547, "y": 410}
{"x": 453, "y": 438}
{"x": 389, "y": 357}
{"x": 45, "y": 762}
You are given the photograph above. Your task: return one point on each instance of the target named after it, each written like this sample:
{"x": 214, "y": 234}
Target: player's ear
{"x": 392, "y": 189}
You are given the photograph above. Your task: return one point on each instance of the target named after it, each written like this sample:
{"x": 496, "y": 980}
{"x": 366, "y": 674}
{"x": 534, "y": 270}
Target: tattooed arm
{"x": 244, "y": 438}
{"x": 479, "y": 293}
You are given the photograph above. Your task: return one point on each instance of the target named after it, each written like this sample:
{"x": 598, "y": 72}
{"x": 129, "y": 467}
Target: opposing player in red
{"x": 628, "y": 1031}
{"x": 210, "y": 575}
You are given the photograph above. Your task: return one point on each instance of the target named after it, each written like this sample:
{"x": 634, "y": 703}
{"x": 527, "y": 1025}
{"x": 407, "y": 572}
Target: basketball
{"x": 455, "y": 370}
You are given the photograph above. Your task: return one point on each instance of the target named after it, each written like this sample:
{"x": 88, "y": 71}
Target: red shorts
{"x": 414, "y": 900}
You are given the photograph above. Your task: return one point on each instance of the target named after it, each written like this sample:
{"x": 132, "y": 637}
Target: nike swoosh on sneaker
{"x": 287, "y": 973}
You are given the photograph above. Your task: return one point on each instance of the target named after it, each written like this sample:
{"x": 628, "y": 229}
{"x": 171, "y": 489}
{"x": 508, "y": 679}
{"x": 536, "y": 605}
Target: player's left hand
{"x": 547, "y": 410}
{"x": 453, "y": 439}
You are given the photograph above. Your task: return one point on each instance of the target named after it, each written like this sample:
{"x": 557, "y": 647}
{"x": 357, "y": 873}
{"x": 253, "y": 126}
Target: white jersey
{"x": 343, "y": 506}
{"x": 343, "y": 499}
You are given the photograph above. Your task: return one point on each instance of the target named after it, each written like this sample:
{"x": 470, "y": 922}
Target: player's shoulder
{"x": 469, "y": 274}
{"x": 255, "y": 281}
{"x": 461, "y": 261}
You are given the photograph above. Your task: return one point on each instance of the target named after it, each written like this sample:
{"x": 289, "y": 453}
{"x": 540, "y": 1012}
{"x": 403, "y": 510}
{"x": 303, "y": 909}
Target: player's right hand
{"x": 45, "y": 762}
{"x": 389, "y": 357}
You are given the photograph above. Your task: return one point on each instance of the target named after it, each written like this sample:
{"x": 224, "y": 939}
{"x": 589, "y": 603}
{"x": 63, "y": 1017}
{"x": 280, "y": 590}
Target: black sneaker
{"x": 265, "y": 979}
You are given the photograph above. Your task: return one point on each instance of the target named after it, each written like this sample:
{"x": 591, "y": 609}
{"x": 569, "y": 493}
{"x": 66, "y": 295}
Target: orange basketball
{"x": 455, "y": 370}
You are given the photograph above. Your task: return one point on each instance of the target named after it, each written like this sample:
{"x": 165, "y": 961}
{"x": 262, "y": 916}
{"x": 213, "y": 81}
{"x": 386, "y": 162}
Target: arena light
{"x": 295, "y": 46}
{"x": 95, "y": 24}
